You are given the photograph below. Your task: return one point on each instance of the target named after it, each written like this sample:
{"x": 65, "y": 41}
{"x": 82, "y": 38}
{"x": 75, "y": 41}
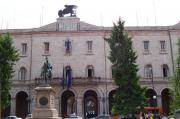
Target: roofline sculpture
{"x": 68, "y": 9}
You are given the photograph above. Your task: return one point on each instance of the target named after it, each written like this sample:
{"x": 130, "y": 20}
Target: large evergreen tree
{"x": 8, "y": 56}
{"x": 129, "y": 94}
{"x": 175, "y": 103}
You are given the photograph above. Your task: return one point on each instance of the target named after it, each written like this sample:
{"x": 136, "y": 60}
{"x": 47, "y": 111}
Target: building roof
{"x": 67, "y": 24}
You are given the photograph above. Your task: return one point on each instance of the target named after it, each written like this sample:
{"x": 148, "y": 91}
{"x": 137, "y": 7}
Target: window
{"x": 146, "y": 46}
{"x": 148, "y": 71}
{"x": 46, "y": 48}
{"x": 24, "y": 49}
{"x": 22, "y": 73}
{"x": 163, "y": 46}
{"x": 165, "y": 70}
{"x": 90, "y": 71}
{"x": 89, "y": 46}
{"x": 68, "y": 47}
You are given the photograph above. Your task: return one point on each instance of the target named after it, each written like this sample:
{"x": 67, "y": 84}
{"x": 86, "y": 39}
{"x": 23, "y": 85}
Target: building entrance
{"x": 68, "y": 103}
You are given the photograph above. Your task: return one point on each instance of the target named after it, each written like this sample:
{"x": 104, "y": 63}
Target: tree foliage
{"x": 175, "y": 103}
{"x": 129, "y": 94}
{"x": 8, "y": 56}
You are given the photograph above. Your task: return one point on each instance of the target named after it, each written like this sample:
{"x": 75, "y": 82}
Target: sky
{"x": 20, "y": 14}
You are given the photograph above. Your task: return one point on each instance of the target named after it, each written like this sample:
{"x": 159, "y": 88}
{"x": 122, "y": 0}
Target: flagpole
{"x": 63, "y": 78}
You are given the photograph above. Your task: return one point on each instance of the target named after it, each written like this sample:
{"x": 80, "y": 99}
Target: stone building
{"x": 79, "y": 50}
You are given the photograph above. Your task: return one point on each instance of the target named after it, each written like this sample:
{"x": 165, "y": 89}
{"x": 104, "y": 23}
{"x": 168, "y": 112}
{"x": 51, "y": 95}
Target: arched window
{"x": 22, "y": 73}
{"x": 148, "y": 71}
{"x": 90, "y": 71}
{"x": 165, "y": 70}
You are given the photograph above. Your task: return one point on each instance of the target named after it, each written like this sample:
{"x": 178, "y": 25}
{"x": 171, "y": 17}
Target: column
{"x": 107, "y": 105}
{"x": 32, "y": 103}
{"x": 13, "y": 106}
{"x": 159, "y": 100}
{"x": 102, "y": 105}
{"x": 56, "y": 102}
{"x": 59, "y": 109}
{"x": 79, "y": 106}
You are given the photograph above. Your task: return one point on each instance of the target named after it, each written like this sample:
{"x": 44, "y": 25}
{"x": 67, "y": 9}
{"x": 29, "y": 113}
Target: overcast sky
{"x": 35, "y": 13}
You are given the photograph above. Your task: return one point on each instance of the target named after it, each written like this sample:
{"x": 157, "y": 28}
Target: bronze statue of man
{"x": 46, "y": 72}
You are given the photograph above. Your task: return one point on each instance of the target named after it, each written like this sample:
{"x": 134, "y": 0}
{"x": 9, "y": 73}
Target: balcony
{"x": 88, "y": 81}
{"x": 59, "y": 81}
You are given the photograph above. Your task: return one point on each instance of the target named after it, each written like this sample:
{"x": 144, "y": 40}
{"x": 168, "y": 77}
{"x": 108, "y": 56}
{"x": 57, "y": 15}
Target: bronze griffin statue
{"x": 68, "y": 9}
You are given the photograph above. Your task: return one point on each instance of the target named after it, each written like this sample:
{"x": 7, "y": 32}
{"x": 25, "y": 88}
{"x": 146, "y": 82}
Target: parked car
{"x": 73, "y": 116}
{"x": 28, "y": 116}
{"x": 104, "y": 116}
{"x": 12, "y": 117}
{"x": 176, "y": 115}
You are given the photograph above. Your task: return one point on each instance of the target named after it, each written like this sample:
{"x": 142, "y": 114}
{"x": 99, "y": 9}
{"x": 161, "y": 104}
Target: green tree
{"x": 175, "y": 103}
{"x": 129, "y": 95}
{"x": 8, "y": 57}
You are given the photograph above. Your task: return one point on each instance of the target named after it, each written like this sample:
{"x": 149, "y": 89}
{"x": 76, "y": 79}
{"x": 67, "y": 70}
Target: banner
{"x": 69, "y": 78}
{"x": 64, "y": 78}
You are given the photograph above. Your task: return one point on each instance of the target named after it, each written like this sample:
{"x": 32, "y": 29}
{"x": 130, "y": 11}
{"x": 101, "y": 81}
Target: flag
{"x": 64, "y": 78}
{"x": 69, "y": 78}
{"x": 68, "y": 46}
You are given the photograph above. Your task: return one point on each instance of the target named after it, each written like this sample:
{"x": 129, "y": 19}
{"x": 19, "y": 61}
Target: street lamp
{"x": 154, "y": 96}
{"x": 29, "y": 100}
{"x": 152, "y": 77}
{"x": 103, "y": 98}
{"x": 154, "y": 100}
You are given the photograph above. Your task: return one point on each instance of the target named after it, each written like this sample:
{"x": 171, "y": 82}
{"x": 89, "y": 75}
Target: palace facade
{"x": 77, "y": 50}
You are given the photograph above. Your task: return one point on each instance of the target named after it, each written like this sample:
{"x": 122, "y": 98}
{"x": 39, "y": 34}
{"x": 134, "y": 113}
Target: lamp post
{"x": 152, "y": 77}
{"x": 154, "y": 96}
{"x": 103, "y": 101}
{"x": 154, "y": 100}
{"x": 29, "y": 104}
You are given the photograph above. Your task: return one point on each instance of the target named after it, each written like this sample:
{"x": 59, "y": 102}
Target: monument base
{"x": 44, "y": 104}
{"x": 41, "y": 113}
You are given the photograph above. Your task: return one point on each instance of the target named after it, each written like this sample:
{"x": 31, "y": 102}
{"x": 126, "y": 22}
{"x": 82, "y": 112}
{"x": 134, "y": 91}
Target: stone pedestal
{"x": 44, "y": 104}
{"x": 68, "y": 24}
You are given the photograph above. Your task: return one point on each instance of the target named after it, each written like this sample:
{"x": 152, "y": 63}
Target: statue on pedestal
{"x": 45, "y": 96}
{"x": 46, "y": 72}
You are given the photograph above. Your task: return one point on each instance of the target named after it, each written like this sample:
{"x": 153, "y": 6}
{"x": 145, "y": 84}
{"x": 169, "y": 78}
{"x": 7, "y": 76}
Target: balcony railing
{"x": 87, "y": 80}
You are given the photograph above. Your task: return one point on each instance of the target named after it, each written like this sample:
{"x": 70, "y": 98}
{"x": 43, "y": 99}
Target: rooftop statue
{"x": 68, "y": 9}
{"x": 46, "y": 72}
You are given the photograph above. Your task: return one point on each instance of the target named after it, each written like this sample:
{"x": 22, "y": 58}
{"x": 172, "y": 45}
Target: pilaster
{"x": 13, "y": 106}
{"x": 79, "y": 106}
{"x": 159, "y": 100}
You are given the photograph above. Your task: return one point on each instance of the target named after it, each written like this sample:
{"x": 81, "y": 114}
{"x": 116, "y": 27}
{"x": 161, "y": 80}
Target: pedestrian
{"x": 147, "y": 115}
{"x": 164, "y": 116}
{"x": 150, "y": 116}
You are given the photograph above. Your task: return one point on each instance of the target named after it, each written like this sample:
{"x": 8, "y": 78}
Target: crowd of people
{"x": 150, "y": 115}
{"x": 143, "y": 115}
